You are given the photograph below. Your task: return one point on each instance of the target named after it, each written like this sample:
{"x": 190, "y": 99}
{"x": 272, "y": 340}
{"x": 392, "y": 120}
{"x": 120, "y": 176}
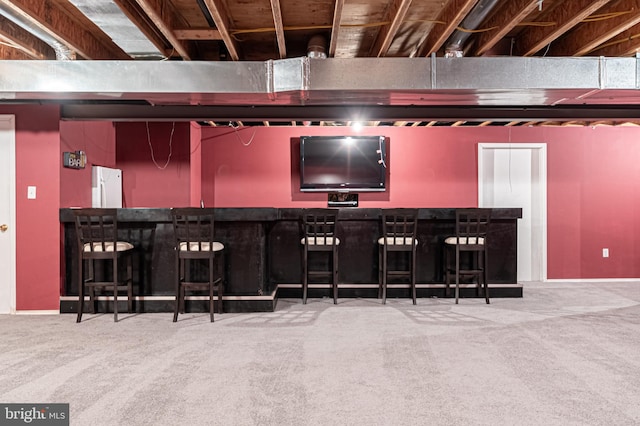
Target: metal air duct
{"x": 63, "y": 53}
{"x": 317, "y": 47}
{"x": 455, "y": 44}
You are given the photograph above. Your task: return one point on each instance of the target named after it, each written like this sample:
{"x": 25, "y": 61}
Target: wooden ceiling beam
{"x": 625, "y": 44}
{"x": 589, "y": 35}
{"x": 139, "y": 18}
{"x": 165, "y": 18}
{"x": 335, "y": 27}
{"x": 510, "y": 15}
{"x": 566, "y": 16}
{"x": 73, "y": 30}
{"x": 279, "y": 26}
{"x": 221, "y": 18}
{"x": 453, "y": 14}
{"x": 10, "y": 52}
{"x": 197, "y": 34}
{"x": 17, "y": 38}
{"x": 397, "y": 13}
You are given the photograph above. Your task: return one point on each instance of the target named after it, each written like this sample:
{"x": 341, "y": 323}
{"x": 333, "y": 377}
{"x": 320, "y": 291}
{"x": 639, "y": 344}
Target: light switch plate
{"x": 31, "y": 192}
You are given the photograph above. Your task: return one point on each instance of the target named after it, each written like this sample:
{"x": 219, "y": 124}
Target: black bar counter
{"x": 263, "y": 255}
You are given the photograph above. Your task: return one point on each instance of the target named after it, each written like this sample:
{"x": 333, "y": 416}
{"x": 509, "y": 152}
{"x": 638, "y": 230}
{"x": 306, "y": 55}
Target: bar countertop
{"x": 262, "y": 254}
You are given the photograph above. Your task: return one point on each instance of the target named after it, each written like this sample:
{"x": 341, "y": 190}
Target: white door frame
{"x": 8, "y": 214}
{"x": 539, "y": 213}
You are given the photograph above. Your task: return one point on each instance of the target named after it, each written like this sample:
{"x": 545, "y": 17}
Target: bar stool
{"x": 471, "y": 237}
{"x": 99, "y": 248}
{"x": 194, "y": 241}
{"x": 319, "y": 235}
{"x": 399, "y": 228}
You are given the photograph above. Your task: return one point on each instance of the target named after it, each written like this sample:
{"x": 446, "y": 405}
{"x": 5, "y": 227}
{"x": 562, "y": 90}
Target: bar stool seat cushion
{"x": 203, "y": 246}
{"x": 320, "y": 241}
{"x": 108, "y": 246}
{"x": 397, "y": 241}
{"x": 465, "y": 240}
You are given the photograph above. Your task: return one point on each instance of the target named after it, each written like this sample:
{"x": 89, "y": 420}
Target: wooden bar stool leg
{"x": 222, "y": 274}
{"x": 80, "y": 290}
{"x": 484, "y": 276}
{"x": 115, "y": 290}
{"x": 130, "y": 284}
{"x": 413, "y": 276}
{"x": 177, "y": 277}
{"x": 334, "y": 265}
{"x": 211, "y": 284}
{"x": 379, "y": 272}
{"x": 457, "y": 272}
{"x": 305, "y": 277}
{"x": 385, "y": 271}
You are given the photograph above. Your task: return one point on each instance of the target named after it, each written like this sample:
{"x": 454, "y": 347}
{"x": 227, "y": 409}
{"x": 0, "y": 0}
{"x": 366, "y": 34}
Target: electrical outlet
{"x": 605, "y": 252}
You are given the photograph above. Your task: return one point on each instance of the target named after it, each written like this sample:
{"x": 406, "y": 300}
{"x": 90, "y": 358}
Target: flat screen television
{"x": 342, "y": 163}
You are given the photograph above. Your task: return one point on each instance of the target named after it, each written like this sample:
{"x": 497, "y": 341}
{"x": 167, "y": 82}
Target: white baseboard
{"x": 38, "y": 312}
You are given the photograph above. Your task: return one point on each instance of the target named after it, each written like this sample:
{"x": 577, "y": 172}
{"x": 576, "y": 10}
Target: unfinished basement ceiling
{"x": 108, "y": 16}
{"x": 267, "y": 31}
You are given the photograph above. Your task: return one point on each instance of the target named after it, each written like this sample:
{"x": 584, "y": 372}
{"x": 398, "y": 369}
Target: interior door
{"x": 515, "y": 175}
{"x": 7, "y": 215}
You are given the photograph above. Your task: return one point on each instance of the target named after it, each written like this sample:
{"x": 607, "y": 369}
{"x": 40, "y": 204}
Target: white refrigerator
{"x": 106, "y": 187}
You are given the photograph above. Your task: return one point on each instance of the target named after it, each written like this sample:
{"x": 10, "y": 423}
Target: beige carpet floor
{"x": 564, "y": 354}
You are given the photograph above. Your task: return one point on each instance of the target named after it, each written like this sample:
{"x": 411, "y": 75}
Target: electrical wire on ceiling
{"x": 153, "y": 158}
{"x": 235, "y": 129}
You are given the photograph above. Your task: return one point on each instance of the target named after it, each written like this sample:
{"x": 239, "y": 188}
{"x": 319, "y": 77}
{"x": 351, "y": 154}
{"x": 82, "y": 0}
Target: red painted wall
{"x": 195, "y": 163}
{"x": 593, "y": 202}
{"x": 37, "y": 221}
{"x": 98, "y": 140}
{"x": 593, "y": 194}
{"x": 155, "y": 164}
{"x": 258, "y": 167}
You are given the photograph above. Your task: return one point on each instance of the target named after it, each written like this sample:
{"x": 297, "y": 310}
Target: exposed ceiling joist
{"x": 277, "y": 21}
{"x": 145, "y": 24}
{"x": 197, "y": 34}
{"x": 166, "y": 19}
{"x": 64, "y": 23}
{"x": 397, "y": 13}
{"x": 221, "y": 18}
{"x": 588, "y": 36}
{"x": 625, "y": 44}
{"x": 513, "y": 13}
{"x": 18, "y": 38}
{"x": 452, "y": 15}
{"x": 565, "y": 16}
{"x": 335, "y": 27}
{"x": 11, "y": 52}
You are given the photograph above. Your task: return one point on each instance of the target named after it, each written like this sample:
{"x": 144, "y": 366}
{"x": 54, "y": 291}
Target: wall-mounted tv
{"x": 342, "y": 163}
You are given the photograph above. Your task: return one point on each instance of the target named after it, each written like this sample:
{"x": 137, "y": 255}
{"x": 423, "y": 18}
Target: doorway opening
{"x": 7, "y": 215}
